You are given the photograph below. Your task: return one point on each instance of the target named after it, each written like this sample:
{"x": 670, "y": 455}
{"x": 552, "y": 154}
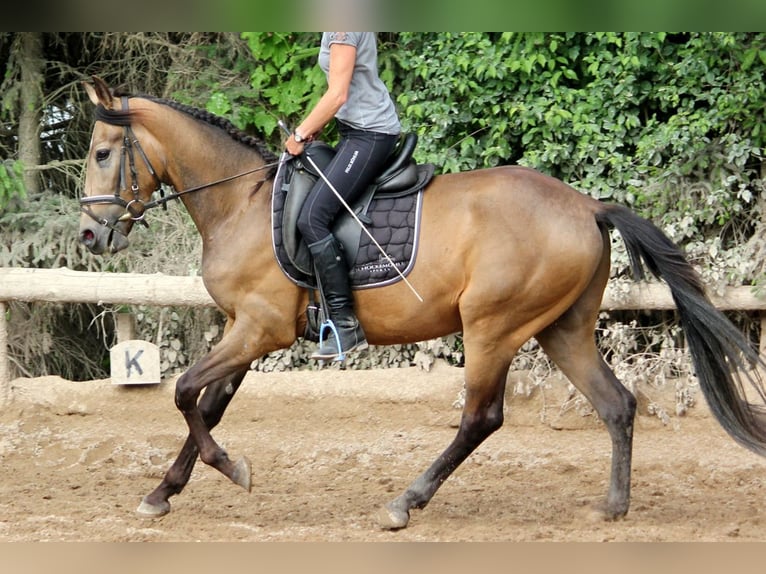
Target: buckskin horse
{"x": 505, "y": 254}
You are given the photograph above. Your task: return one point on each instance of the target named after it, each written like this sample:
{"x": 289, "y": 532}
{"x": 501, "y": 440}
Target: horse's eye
{"x": 102, "y": 154}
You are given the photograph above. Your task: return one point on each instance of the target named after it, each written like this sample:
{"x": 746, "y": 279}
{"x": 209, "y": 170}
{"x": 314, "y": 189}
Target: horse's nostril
{"x": 87, "y": 237}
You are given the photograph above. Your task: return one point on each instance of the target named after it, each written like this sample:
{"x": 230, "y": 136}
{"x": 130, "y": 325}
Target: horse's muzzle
{"x": 99, "y": 238}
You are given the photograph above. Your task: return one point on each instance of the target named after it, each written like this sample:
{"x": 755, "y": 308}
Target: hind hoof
{"x": 242, "y": 474}
{"x": 149, "y": 510}
{"x": 390, "y": 518}
{"x": 603, "y": 512}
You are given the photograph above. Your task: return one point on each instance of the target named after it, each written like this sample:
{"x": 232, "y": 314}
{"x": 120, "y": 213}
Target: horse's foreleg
{"x": 223, "y": 361}
{"x": 157, "y": 503}
{"x": 482, "y": 415}
{"x": 212, "y": 405}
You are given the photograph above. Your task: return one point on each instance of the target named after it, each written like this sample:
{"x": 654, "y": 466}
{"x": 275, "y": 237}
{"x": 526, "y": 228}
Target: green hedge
{"x": 669, "y": 124}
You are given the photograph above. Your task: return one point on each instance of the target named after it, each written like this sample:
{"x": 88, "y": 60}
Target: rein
{"x": 135, "y": 209}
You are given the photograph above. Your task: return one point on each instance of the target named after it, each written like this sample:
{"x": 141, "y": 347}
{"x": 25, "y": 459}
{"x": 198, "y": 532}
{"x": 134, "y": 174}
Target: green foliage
{"x": 39, "y": 232}
{"x": 669, "y": 124}
{"x": 11, "y": 183}
{"x": 284, "y": 81}
{"x": 50, "y": 338}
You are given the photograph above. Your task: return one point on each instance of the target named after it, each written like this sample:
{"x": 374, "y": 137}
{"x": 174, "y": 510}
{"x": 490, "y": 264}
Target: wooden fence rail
{"x": 63, "y": 285}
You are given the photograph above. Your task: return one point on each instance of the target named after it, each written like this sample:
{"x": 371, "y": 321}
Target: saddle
{"x": 389, "y": 208}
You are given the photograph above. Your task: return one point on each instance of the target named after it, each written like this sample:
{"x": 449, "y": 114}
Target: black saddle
{"x": 401, "y": 176}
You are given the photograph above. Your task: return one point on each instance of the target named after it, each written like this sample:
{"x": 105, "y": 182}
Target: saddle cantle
{"x": 389, "y": 208}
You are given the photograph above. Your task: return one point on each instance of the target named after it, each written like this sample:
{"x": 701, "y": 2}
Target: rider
{"x": 369, "y": 128}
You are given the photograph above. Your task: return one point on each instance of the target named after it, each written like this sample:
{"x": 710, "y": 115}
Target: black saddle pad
{"x": 394, "y": 222}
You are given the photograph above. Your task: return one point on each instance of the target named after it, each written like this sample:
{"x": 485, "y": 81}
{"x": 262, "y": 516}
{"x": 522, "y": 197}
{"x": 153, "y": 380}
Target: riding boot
{"x": 332, "y": 272}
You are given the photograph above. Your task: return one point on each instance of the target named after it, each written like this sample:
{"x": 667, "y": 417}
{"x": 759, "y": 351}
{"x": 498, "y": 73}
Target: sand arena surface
{"x": 329, "y": 447}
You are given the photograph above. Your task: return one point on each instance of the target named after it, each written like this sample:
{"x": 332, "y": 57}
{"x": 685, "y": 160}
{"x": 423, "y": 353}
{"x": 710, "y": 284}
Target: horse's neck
{"x": 225, "y": 211}
{"x": 223, "y": 170}
{"x": 233, "y": 208}
{"x": 234, "y": 233}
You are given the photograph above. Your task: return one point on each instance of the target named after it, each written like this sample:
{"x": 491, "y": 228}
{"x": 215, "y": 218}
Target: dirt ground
{"x": 329, "y": 447}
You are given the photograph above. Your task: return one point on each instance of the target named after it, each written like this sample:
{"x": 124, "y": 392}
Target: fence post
{"x": 5, "y": 376}
{"x": 126, "y": 326}
{"x": 762, "y": 347}
{"x": 762, "y": 313}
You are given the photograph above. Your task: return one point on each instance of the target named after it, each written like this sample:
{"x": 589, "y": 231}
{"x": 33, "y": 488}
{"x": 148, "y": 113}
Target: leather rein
{"x": 135, "y": 209}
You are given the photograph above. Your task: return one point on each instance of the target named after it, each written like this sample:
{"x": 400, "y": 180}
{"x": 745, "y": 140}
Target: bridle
{"x": 135, "y": 209}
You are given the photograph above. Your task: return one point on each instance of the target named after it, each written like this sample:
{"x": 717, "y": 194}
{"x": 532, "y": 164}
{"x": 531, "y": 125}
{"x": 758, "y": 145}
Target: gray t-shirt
{"x": 369, "y": 106}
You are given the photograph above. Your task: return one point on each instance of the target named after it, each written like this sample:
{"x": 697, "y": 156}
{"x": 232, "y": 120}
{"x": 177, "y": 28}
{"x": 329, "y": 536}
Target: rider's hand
{"x": 293, "y": 147}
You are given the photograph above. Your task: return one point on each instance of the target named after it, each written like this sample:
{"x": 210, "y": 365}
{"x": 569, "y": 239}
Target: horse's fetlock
{"x": 494, "y": 421}
{"x": 213, "y": 457}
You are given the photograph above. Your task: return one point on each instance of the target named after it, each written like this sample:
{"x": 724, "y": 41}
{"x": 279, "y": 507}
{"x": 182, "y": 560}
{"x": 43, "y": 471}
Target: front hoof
{"x": 391, "y": 518}
{"x": 148, "y": 510}
{"x": 242, "y": 474}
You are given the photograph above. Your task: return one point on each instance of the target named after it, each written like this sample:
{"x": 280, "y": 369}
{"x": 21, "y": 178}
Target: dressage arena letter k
{"x": 133, "y": 362}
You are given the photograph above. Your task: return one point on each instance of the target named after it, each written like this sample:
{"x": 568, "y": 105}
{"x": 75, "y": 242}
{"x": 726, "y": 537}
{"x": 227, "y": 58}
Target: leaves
{"x": 11, "y": 183}
{"x": 285, "y": 79}
{"x": 670, "y": 124}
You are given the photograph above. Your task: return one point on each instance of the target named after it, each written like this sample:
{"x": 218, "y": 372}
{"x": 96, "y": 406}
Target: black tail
{"x": 721, "y": 354}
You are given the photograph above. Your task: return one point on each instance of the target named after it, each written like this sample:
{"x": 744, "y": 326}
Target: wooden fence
{"x": 66, "y": 286}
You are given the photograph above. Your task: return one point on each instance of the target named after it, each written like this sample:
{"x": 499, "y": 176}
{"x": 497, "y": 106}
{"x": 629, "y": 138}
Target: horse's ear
{"x": 99, "y": 92}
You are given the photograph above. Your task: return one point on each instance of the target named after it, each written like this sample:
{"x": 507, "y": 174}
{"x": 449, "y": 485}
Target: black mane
{"x": 124, "y": 118}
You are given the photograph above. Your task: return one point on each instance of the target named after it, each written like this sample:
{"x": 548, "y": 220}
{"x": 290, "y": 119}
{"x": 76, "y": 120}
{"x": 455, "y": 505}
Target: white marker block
{"x": 135, "y": 362}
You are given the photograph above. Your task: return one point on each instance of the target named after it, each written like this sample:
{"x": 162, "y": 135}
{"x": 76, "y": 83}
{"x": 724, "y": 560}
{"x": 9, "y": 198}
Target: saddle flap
{"x": 299, "y": 183}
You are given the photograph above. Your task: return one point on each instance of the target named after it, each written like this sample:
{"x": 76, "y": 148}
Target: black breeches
{"x": 359, "y": 158}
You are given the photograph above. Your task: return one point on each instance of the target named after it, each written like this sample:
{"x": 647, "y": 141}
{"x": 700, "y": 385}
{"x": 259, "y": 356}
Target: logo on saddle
{"x": 389, "y": 209}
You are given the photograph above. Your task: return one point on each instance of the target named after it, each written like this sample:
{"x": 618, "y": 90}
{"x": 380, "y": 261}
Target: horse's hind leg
{"x": 212, "y": 405}
{"x": 482, "y": 415}
{"x": 570, "y": 344}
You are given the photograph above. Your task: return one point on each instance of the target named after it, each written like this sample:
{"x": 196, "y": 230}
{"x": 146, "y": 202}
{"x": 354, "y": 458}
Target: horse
{"x": 506, "y": 254}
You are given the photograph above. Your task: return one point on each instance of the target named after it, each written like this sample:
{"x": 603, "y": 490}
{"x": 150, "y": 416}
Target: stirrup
{"x": 359, "y": 343}
{"x": 340, "y": 356}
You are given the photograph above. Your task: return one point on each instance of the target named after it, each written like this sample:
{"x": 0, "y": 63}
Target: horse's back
{"x": 511, "y": 215}
{"x": 511, "y": 192}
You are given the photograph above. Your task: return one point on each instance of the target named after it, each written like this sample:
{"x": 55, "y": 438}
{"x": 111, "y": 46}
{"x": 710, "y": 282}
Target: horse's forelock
{"x": 114, "y": 117}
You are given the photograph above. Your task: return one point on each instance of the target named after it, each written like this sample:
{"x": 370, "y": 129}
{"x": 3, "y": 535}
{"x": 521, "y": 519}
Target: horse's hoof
{"x": 242, "y": 474}
{"x": 149, "y": 510}
{"x": 390, "y": 518}
{"x": 602, "y": 512}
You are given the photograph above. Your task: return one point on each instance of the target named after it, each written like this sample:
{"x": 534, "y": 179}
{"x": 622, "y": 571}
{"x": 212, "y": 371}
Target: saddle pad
{"x": 394, "y": 222}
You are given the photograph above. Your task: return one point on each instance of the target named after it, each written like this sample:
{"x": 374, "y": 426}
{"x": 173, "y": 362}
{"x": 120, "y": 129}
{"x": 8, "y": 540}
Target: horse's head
{"x": 119, "y": 178}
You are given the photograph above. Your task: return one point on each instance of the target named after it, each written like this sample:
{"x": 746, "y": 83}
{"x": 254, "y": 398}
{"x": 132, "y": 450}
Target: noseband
{"x": 135, "y": 209}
